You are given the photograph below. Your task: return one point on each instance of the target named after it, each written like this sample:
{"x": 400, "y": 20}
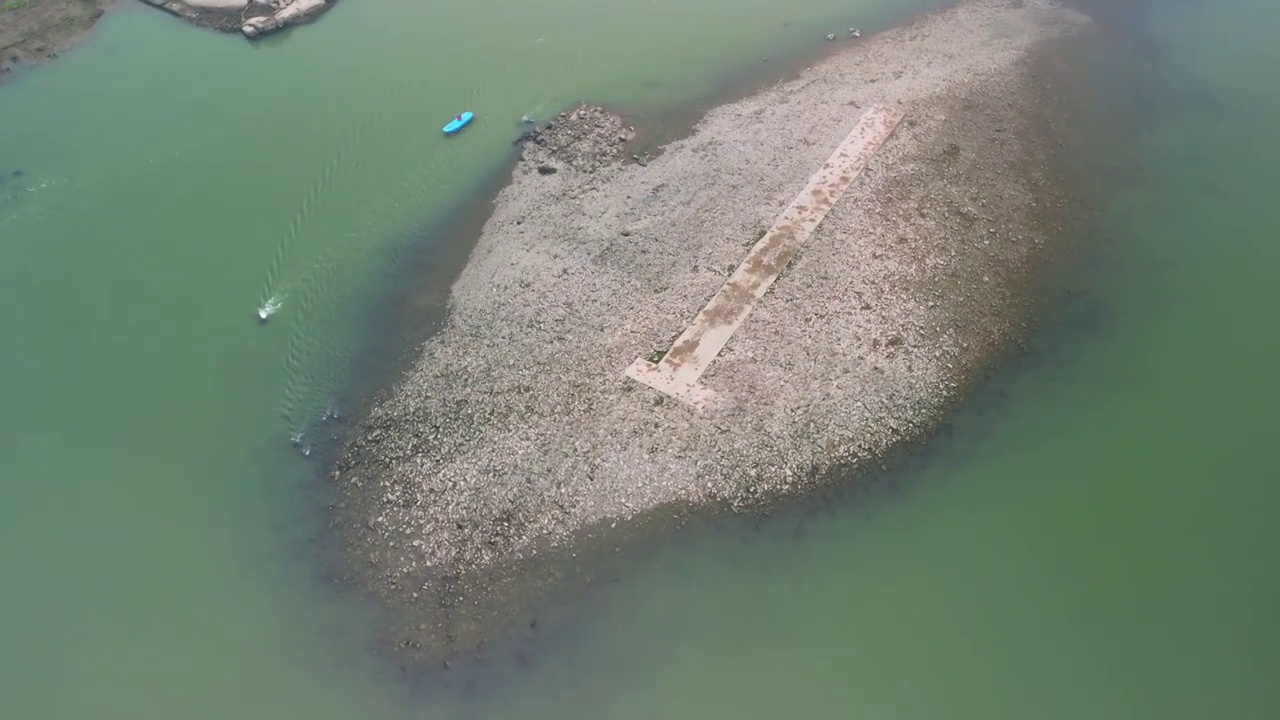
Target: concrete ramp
{"x": 677, "y": 373}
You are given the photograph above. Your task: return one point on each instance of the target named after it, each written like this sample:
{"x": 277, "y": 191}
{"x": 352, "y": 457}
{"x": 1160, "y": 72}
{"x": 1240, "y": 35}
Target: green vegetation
{"x": 13, "y": 5}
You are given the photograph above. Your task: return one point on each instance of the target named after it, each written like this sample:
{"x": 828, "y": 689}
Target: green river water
{"x": 1093, "y": 535}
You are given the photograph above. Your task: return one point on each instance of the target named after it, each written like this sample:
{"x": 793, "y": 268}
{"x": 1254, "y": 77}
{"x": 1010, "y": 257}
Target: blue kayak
{"x": 458, "y": 123}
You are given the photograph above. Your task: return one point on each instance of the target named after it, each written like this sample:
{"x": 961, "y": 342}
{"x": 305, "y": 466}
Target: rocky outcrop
{"x": 253, "y": 18}
{"x": 289, "y": 12}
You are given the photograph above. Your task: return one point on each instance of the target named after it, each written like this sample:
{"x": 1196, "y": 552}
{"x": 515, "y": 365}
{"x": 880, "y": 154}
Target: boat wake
{"x": 270, "y": 307}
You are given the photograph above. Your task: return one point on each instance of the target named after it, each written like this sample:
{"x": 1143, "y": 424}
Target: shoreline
{"x": 461, "y": 567}
{"x": 35, "y": 31}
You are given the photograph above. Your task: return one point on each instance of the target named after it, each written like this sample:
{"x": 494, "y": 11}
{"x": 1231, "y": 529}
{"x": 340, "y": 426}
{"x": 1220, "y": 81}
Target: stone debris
{"x": 585, "y": 138}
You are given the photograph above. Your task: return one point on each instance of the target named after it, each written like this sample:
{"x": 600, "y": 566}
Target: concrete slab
{"x": 677, "y": 373}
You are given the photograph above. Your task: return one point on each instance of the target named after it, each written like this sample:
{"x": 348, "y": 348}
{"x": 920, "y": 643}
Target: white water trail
{"x": 345, "y": 164}
{"x": 270, "y": 307}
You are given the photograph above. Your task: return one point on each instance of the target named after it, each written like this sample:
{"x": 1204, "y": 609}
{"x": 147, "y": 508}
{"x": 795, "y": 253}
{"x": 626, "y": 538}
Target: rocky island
{"x": 518, "y": 445}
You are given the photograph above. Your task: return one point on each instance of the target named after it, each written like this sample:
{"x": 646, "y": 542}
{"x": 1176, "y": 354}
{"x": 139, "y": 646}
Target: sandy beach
{"x": 518, "y": 437}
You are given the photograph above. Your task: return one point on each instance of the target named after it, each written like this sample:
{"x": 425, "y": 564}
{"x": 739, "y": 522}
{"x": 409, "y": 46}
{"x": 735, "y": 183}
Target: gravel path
{"x": 517, "y": 432}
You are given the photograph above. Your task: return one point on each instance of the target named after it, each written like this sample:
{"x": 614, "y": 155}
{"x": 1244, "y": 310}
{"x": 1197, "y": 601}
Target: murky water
{"x": 1092, "y": 538}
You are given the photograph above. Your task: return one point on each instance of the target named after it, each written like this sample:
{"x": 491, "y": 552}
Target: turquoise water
{"x": 1091, "y": 538}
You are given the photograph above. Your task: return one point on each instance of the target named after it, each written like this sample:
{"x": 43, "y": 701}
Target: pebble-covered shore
{"x": 516, "y": 434}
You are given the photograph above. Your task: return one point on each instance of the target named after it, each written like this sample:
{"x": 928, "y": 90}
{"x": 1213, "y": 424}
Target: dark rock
{"x": 546, "y": 170}
{"x": 585, "y": 138}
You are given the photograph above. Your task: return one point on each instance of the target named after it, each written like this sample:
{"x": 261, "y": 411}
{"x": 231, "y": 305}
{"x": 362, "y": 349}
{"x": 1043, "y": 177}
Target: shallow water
{"x": 1092, "y": 537}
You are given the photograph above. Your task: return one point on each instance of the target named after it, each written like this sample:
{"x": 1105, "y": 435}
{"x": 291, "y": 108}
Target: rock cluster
{"x": 585, "y": 138}
{"x": 284, "y": 13}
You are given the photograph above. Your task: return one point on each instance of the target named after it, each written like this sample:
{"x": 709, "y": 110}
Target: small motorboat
{"x": 458, "y": 123}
